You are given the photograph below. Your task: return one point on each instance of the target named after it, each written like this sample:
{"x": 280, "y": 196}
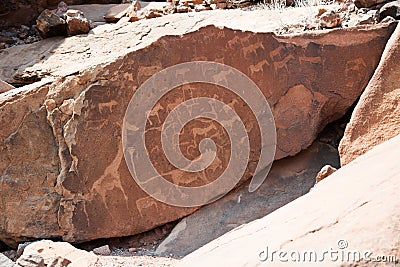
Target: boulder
{"x": 103, "y": 250}
{"x": 351, "y": 218}
{"x": 330, "y": 19}
{"x": 49, "y": 24}
{"x": 288, "y": 179}
{"x": 76, "y": 22}
{"x": 325, "y": 172}
{"x": 57, "y": 254}
{"x": 376, "y": 118}
{"x": 61, "y": 155}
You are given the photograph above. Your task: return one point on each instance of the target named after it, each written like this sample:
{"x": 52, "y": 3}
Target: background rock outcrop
{"x": 333, "y": 217}
{"x": 376, "y": 118}
{"x": 61, "y": 157}
{"x": 13, "y": 13}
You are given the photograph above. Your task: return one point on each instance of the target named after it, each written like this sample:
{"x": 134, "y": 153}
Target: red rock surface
{"x": 376, "y": 117}
{"x": 61, "y": 157}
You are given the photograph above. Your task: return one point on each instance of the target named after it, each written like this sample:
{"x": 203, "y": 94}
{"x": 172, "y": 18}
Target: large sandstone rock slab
{"x": 288, "y": 179}
{"x": 376, "y": 118}
{"x": 355, "y": 210}
{"x": 61, "y": 156}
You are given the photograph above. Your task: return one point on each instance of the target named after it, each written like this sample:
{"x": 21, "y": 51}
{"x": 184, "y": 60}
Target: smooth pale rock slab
{"x": 356, "y": 209}
{"x": 288, "y": 179}
{"x": 94, "y": 12}
{"x": 6, "y": 262}
{"x": 56, "y": 254}
{"x": 61, "y": 155}
{"x": 376, "y": 118}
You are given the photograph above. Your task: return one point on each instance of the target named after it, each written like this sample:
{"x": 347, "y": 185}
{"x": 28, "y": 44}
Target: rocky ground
{"x": 333, "y": 15}
{"x": 330, "y": 74}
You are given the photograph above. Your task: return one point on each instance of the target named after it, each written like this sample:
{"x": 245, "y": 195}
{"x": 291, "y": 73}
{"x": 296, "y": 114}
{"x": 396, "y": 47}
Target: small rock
{"x": 50, "y": 24}
{"x": 61, "y": 9}
{"x": 76, "y": 23}
{"x": 182, "y": 9}
{"x": 115, "y": 13}
{"x": 391, "y": 9}
{"x": 330, "y": 19}
{"x": 324, "y": 172}
{"x": 190, "y": 2}
{"x": 73, "y": 13}
{"x": 169, "y": 9}
{"x": 321, "y": 11}
{"x": 50, "y": 104}
{"x": 67, "y": 107}
{"x": 132, "y": 14}
{"x": 103, "y": 250}
{"x": 2, "y": 45}
{"x": 132, "y": 250}
{"x": 388, "y": 20}
{"x": 221, "y": 5}
{"x": 199, "y": 8}
{"x": 31, "y": 260}
{"x": 137, "y": 5}
{"x": 22, "y": 246}
{"x": 6, "y": 40}
{"x": 153, "y": 14}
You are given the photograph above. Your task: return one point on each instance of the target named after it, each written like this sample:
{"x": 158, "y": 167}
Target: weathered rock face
{"x": 356, "y": 222}
{"x": 376, "y": 117}
{"x": 288, "y": 179}
{"x": 49, "y": 24}
{"x": 61, "y": 157}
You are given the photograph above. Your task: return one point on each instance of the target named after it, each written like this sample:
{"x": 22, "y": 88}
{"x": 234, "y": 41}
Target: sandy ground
{"x": 148, "y": 261}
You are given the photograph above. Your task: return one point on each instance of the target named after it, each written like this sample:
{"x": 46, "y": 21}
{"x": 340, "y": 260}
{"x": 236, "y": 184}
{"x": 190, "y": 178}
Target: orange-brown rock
{"x": 62, "y": 170}
{"x": 361, "y": 227}
{"x": 324, "y": 172}
{"x": 4, "y": 87}
{"x": 376, "y": 117}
